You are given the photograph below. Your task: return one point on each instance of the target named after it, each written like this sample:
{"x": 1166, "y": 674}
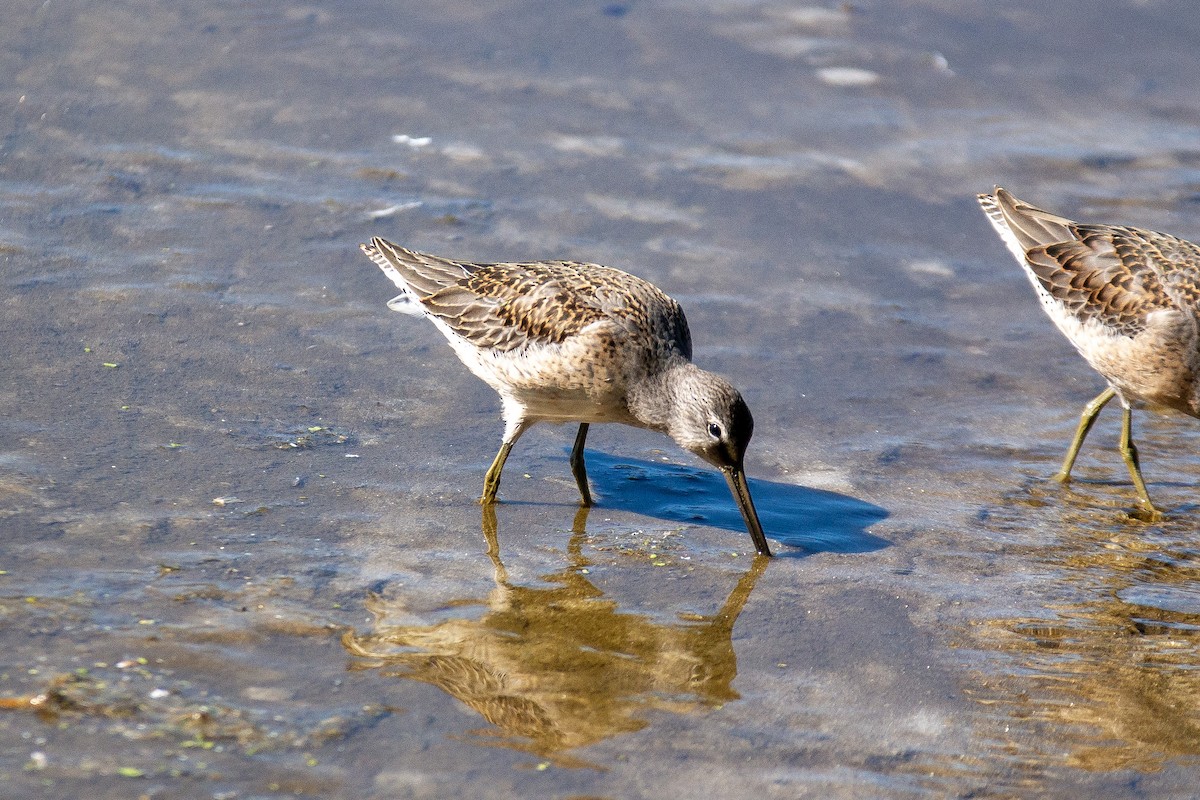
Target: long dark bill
{"x": 736, "y": 479}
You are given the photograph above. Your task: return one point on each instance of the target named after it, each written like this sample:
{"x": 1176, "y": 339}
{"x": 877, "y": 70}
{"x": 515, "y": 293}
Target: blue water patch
{"x": 812, "y": 519}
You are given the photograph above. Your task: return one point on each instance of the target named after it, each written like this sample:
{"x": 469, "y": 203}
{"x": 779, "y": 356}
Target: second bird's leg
{"x": 578, "y": 468}
{"x": 1085, "y": 424}
{"x": 1130, "y": 454}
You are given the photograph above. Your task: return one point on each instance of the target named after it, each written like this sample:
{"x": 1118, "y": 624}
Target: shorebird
{"x": 1127, "y": 298}
{"x": 567, "y": 342}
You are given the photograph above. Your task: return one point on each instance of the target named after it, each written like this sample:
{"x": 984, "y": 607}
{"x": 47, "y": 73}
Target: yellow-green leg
{"x": 491, "y": 481}
{"x": 1130, "y": 454}
{"x": 1085, "y": 424}
{"x": 578, "y": 468}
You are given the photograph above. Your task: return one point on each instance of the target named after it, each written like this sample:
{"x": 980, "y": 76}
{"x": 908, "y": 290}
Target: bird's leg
{"x": 1085, "y": 424}
{"x": 578, "y": 468}
{"x": 491, "y": 481}
{"x": 1130, "y": 454}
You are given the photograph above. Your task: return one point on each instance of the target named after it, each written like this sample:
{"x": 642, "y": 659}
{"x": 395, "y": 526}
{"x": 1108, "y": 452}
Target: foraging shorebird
{"x": 567, "y": 342}
{"x": 1128, "y": 299}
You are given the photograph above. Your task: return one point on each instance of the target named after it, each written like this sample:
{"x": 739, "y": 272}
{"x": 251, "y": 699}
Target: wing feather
{"x": 513, "y": 305}
{"x": 1115, "y": 275}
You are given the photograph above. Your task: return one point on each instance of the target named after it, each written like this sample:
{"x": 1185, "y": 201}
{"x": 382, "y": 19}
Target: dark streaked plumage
{"x": 1127, "y": 298}
{"x": 567, "y": 342}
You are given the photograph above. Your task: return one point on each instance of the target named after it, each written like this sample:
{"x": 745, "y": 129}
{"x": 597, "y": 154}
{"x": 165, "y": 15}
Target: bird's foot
{"x": 1146, "y": 513}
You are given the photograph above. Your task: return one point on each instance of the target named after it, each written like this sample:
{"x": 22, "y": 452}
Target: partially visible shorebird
{"x": 1127, "y": 298}
{"x": 568, "y": 342}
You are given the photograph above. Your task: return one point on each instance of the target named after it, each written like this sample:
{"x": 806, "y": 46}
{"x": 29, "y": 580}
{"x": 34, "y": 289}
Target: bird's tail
{"x": 419, "y": 273}
{"x": 1023, "y": 226}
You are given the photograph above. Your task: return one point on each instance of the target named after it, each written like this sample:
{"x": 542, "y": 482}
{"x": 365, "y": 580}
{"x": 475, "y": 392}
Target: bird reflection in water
{"x": 559, "y": 666}
{"x": 1111, "y": 675}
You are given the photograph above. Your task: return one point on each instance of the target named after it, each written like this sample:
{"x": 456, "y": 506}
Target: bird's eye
{"x": 714, "y": 430}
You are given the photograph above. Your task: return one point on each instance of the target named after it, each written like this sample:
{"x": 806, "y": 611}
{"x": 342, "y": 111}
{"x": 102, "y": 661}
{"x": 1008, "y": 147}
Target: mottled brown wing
{"x": 1115, "y": 275}
{"x": 1177, "y": 262}
{"x": 510, "y": 306}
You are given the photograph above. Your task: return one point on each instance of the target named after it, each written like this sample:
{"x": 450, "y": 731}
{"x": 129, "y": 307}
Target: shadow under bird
{"x": 568, "y": 342}
{"x": 1127, "y": 298}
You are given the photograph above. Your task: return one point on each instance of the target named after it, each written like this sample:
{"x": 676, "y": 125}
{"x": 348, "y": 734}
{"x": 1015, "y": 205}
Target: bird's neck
{"x": 652, "y": 400}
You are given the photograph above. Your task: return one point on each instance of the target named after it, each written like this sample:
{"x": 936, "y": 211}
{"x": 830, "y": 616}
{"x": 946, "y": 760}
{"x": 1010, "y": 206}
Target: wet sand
{"x": 242, "y": 556}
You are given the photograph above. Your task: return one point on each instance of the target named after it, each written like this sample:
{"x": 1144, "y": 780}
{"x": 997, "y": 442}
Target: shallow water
{"x": 242, "y": 556}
